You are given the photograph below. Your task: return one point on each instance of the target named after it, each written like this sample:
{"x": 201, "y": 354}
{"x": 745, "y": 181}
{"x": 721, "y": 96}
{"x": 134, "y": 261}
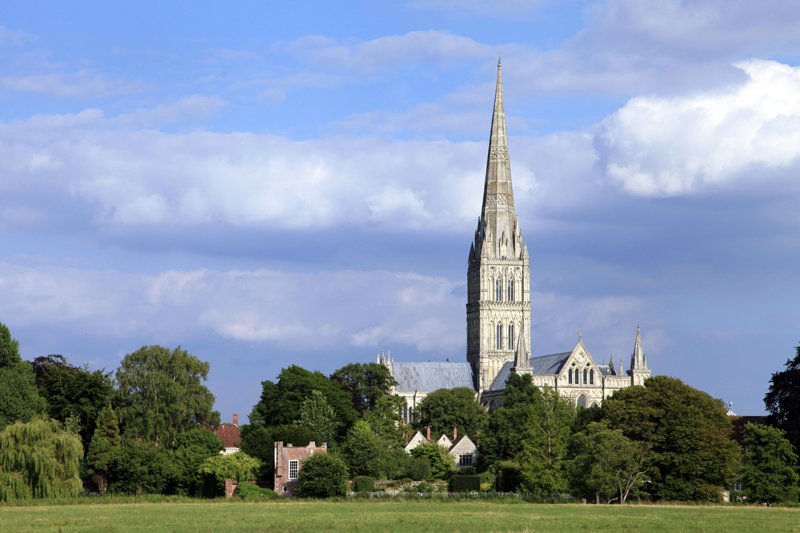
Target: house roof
{"x": 545, "y": 364}
{"x": 428, "y": 377}
{"x": 458, "y": 441}
{"x": 229, "y": 435}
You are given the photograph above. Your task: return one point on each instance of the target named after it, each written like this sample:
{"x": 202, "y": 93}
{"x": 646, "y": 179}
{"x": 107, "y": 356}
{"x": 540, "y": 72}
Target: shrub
{"x": 469, "y": 483}
{"x": 419, "y": 469}
{"x": 441, "y": 462}
{"x": 322, "y": 475}
{"x": 423, "y": 486}
{"x": 466, "y": 471}
{"x": 508, "y": 480}
{"x": 217, "y": 469}
{"x": 363, "y": 484}
{"x": 251, "y": 490}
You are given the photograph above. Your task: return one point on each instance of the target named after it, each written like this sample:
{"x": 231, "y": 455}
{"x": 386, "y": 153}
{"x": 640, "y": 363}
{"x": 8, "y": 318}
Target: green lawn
{"x": 394, "y": 517}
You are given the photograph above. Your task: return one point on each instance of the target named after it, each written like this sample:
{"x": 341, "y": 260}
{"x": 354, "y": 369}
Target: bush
{"x": 441, "y": 462}
{"x": 419, "y": 469}
{"x": 217, "y": 469}
{"x": 508, "y": 480}
{"x": 423, "y": 486}
{"x": 469, "y": 483}
{"x": 363, "y": 484}
{"x": 251, "y": 490}
{"x": 466, "y": 471}
{"x": 322, "y": 475}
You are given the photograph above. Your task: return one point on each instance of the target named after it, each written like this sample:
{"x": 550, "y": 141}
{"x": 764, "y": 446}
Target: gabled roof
{"x": 428, "y": 377}
{"x": 229, "y": 435}
{"x": 545, "y": 364}
{"x": 458, "y": 441}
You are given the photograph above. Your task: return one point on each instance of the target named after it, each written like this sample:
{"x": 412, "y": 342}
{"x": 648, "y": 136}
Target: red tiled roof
{"x": 229, "y": 435}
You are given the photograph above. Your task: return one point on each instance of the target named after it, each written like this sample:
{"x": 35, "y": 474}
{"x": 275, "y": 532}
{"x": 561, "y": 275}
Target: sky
{"x": 277, "y": 183}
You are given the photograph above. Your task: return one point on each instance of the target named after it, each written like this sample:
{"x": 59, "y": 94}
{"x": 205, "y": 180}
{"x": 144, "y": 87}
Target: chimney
{"x": 236, "y": 420}
{"x": 429, "y": 433}
{"x": 455, "y": 433}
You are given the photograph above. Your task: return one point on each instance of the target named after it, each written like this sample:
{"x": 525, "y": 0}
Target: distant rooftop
{"x": 428, "y": 377}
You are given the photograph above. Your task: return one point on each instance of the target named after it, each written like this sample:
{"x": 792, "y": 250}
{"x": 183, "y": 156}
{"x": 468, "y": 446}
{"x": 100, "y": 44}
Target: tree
{"x": 280, "y": 402}
{"x": 140, "y": 466}
{"x": 364, "y": 453}
{"x": 39, "y": 459}
{"x": 783, "y": 399}
{"x": 192, "y": 449}
{"x": 217, "y": 469}
{"x": 103, "y": 448}
{"x": 693, "y": 457}
{"x": 203, "y": 439}
{"x": 322, "y": 475}
{"x": 441, "y": 462}
{"x": 385, "y": 420}
{"x": 72, "y": 392}
{"x": 259, "y": 442}
{"x": 318, "y": 416}
{"x": 606, "y": 463}
{"x": 19, "y": 399}
{"x": 160, "y": 394}
{"x": 544, "y": 444}
{"x": 769, "y": 470}
{"x": 445, "y": 409}
{"x": 368, "y": 383}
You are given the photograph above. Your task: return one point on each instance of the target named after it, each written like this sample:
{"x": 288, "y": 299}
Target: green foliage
{"x": 509, "y": 478}
{"x": 140, "y": 466}
{"x": 252, "y": 491}
{"x": 368, "y": 383}
{"x": 73, "y": 392}
{"x": 103, "y": 448}
{"x": 364, "y": 453}
{"x": 202, "y": 438}
{"x": 280, "y": 402}
{"x": 160, "y": 394}
{"x": 318, "y": 416}
{"x": 439, "y": 460}
{"x": 418, "y": 469}
{"x": 607, "y": 465}
{"x": 19, "y": 398}
{"x": 217, "y": 469}
{"x": 384, "y": 418}
{"x": 9, "y": 348}
{"x": 464, "y": 483}
{"x": 259, "y": 442}
{"x": 693, "y": 456}
{"x": 322, "y": 475}
{"x": 466, "y": 471}
{"x": 363, "y": 484}
{"x": 191, "y": 451}
{"x": 545, "y": 443}
{"x": 783, "y": 399}
{"x": 445, "y": 409}
{"x": 39, "y": 459}
{"x": 769, "y": 470}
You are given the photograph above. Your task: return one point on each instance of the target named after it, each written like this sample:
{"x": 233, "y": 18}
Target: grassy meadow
{"x": 392, "y": 516}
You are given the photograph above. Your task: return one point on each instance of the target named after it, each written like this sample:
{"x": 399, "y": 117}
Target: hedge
{"x": 363, "y": 484}
{"x": 464, "y": 484}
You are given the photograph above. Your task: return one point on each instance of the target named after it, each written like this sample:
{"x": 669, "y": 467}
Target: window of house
{"x": 737, "y": 487}
{"x": 294, "y": 466}
{"x": 591, "y": 376}
{"x": 511, "y": 336}
{"x": 499, "y": 343}
{"x": 465, "y": 459}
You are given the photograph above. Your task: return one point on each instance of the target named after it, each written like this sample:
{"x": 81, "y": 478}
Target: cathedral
{"x": 499, "y": 312}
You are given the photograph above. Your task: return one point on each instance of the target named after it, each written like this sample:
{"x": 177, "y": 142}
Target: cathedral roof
{"x": 428, "y": 377}
{"x": 545, "y": 364}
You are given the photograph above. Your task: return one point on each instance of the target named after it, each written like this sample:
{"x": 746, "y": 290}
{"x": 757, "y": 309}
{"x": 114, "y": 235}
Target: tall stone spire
{"x": 639, "y": 371}
{"x": 498, "y": 278}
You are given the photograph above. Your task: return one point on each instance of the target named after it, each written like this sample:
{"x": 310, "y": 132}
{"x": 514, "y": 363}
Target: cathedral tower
{"x": 498, "y": 277}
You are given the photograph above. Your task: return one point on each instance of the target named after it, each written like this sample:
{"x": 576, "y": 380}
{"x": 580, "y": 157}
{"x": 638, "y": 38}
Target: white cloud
{"x": 80, "y": 84}
{"x": 187, "y": 108}
{"x": 657, "y": 146}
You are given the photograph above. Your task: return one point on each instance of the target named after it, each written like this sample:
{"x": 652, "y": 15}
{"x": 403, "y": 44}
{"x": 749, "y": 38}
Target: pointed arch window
{"x": 498, "y": 291}
{"x": 569, "y": 376}
{"x": 499, "y": 343}
{"x": 577, "y": 376}
{"x": 591, "y": 376}
{"x": 511, "y": 290}
{"x": 585, "y": 376}
{"x": 511, "y": 336}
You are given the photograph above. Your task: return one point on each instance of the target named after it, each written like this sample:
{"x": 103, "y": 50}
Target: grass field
{"x": 393, "y": 516}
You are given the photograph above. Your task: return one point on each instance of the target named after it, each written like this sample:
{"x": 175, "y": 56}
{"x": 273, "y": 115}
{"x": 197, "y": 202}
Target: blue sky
{"x": 298, "y": 183}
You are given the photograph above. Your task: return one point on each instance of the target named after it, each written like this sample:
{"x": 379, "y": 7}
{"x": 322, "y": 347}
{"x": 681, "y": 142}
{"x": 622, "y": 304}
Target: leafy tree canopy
{"x": 19, "y": 399}
{"x": 445, "y": 409}
{"x": 368, "y": 383}
{"x": 238, "y": 466}
{"x": 769, "y": 469}
{"x": 440, "y": 461}
{"x": 9, "y": 348}
{"x": 783, "y": 399}
{"x": 103, "y": 448}
{"x": 280, "y": 402}
{"x": 689, "y": 435}
{"x": 364, "y": 452}
{"x": 200, "y": 438}
{"x": 318, "y": 416}
{"x": 259, "y": 442}
{"x": 322, "y": 475}
{"x": 160, "y": 394}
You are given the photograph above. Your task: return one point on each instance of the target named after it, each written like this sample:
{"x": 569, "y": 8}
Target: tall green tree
{"x": 367, "y": 383}
{"x": 505, "y": 429}
{"x": 72, "y": 392}
{"x": 217, "y": 469}
{"x": 544, "y": 444}
{"x": 318, "y": 416}
{"x": 140, "y": 466}
{"x": 280, "y": 402}
{"x": 160, "y": 394}
{"x": 769, "y": 470}
{"x": 259, "y": 442}
{"x": 445, "y": 409}
{"x": 693, "y": 457}
{"x": 322, "y": 475}
{"x": 19, "y": 398}
{"x": 191, "y": 451}
{"x": 364, "y": 452}
{"x": 39, "y": 459}
{"x": 385, "y": 419}
{"x": 103, "y": 448}
{"x": 783, "y": 399}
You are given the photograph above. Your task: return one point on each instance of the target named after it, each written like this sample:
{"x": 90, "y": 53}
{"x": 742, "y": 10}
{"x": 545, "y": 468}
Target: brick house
{"x": 288, "y": 461}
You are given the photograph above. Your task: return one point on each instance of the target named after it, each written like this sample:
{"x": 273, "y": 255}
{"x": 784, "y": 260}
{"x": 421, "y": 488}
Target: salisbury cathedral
{"x": 499, "y": 311}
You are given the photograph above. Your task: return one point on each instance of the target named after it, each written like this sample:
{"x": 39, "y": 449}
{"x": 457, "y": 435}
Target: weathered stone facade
{"x": 288, "y": 461}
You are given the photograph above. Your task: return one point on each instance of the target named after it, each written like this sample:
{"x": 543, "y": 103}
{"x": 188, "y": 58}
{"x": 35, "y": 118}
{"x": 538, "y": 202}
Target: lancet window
{"x": 511, "y": 336}
{"x": 499, "y": 343}
{"x": 511, "y": 290}
{"x": 498, "y": 291}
